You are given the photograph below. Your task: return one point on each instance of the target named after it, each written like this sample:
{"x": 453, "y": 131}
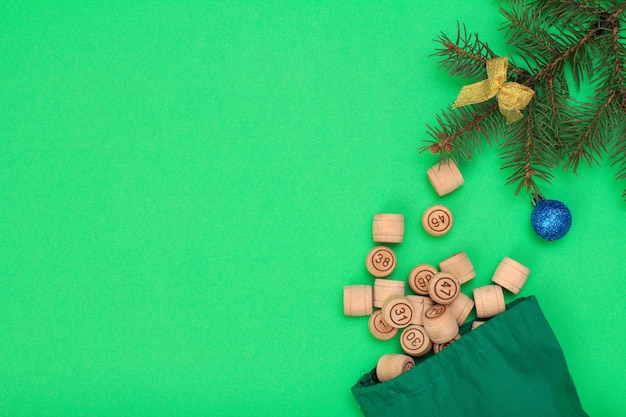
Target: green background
{"x": 186, "y": 187}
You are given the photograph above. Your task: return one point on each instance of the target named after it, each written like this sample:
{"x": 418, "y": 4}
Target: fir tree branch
{"x": 524, "y": 31}
{"x": 526, "y": 151}
{"x": 582, "y": 7}
{"x": 621, "y": 7}
{"x": 618, "y": 151}
{"x": 528, "y": 173}
{"x": 563, "y": 10}
{"x": 552, "y": 96}
{"x": 461, "y": 130}
{"x": 593, "y": 120}
{"x": 555, "y": 96}
{"x": 590, "y": 132}
{"x": 568, "y": 20}
{"x": 556, "y": 64}
{"x": 466, "y": 56}
{"x": 619, "y": 55}
{"x": 586, "y": 38}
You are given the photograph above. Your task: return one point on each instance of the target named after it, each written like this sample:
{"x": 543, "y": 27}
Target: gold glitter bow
{"x": 512, "y": 97}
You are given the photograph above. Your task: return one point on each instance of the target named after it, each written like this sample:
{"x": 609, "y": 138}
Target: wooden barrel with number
{"x": 440, "y": 324}
{"x": 437, "y": 220}
{"x": 414, "y": 341}
{"x": 397, "y": 311}
{"x": 444, "y": 288}
{"x": 391, "y": 365}
{"x": 379, "y": 329}
{"x": 420, "y": 276}
{"x": 380, "y": 261}
{"x": 420, "y": 303}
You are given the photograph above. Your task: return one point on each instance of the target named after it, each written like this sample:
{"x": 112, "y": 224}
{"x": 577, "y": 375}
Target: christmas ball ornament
{"x": 550, "y": 219}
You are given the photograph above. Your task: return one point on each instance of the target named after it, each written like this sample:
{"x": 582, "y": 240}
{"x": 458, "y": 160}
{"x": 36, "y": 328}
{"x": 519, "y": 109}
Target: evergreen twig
{"x": 465, "y": 55}
{"x": 557, "y": 40}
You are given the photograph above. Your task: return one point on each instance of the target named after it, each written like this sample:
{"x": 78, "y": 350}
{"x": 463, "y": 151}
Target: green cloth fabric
{"x": 510, "y": 366}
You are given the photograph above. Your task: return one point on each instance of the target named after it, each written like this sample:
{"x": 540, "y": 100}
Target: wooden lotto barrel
{"x": 379, "y": 329}
{"x": 420, "y": 303}
{"x": 437, "y": 220}
{"x": 414, "y": 341}
{"x": 458, "y": 265}
{"x": 380, "y": 261}
{"x": 391, "y": 365}
{"x": 385, "y": 288}
{"x": 397, "y": 311}
{"x": 440, "y": 324}
{"x": 511, "y": 275}
{"x": 444, "y": 288}
{"x": 489, "y": 301}
{"x": 357, "y": 300}
{"x": 438, "y": 347}
{"x": 445, "y": 177}
{"x": 461, "y": 308}
{"x": 420, "y": 276}
{"x": 388, "y": 228}
{"x": 477, "y": 323}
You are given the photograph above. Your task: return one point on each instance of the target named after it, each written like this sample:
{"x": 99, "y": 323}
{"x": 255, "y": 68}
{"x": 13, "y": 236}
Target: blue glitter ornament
{"x": 550, "y": 219}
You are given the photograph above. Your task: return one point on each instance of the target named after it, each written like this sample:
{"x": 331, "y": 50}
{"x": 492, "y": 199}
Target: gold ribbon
{"x": 512, "y": 97}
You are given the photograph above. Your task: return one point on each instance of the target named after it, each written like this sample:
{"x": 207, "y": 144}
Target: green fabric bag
{"x": 510, "y": 366}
